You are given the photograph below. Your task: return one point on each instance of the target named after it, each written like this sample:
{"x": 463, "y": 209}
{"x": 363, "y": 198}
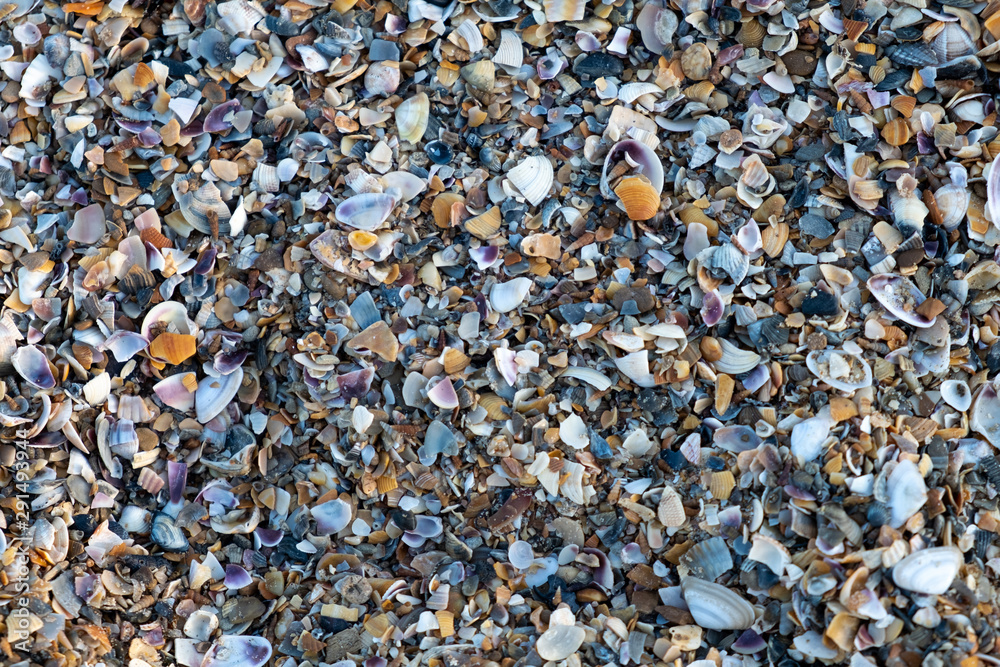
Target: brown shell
{"x": 174, "y": 348}
{"x": 896, "y": 132}
{"x": 722, "y": 484}
{"x": 639, "y": 197}
{"x": 752, "y": 34}
{"x": 904, "y": 104}
{"x": 486, "y": 225}
{"x": 671, "y": 510}
{"x": 136, "y": 279}
{"x": 155, "y": 238}
{"x": 854, "y": 29}
{"x": 774, "y": 238}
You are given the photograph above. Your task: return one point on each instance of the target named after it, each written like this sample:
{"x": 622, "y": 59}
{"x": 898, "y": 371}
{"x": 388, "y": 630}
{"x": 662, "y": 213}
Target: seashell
{"x": 913, "y": 54}
{"x": 907, "y": 492}
{"x": 735, "y": 361}
{"x": 203, "y": 208}
{"x": 486, "y": 225}
{"x": 731, "y": 261}
{"x": 900, "y": 297}
{"x": 33, "y": 366}
{"x": 473, "y": 39}
{"x": 533, "y": 178}
{"x": 332, "y": 516}
{"x": 752, "y": 34}
{"x": 177, "y": 391}
{"x": 412, "y": 116}
{"x": 953, "y": 42}
{"x": 238, "y": 651}
{"x": 505, "y": 297}
{"x": 165, "y": 533}
{"x": 172, "y": 348}
{"x": 713, "y": 308}
{"x": 88, "y": 225}
{"x": 560, "y": 642}
{"x": 656, "y": 25}
{"x": 953, "y": 199}
{"x": 443, "y": 395}
{"x": 841, "y": 370}
{"x": 122, "y": 439}
{"x": 377, "y": 338}
{"x": 716, "y": 607}
{"x": 709, "y": 559}
{"x": 809, "y": 436}
{"x": 481, "y": 75}
{"x": 639, "y": 197}
{"x": 771, "y": 553}
{"x": 168, "y": 315}
{"x": 640, "y": 157}
{"x": 520, "y": 555}
{"x": 573, "y": 432}
{"x": 509, "y": 52}
{"x": 721, "y": 484}
{"x": 565, "y": 10}
{"x": 215, "y": 393}
{"x": 670, "y": 511}
{"x": 366, "y": 211}
{"x": 928, "y": 571}
{"x": 736, "y": 439}
{"x": 956, "y": 393}
{"x": 896, "y": 132}
{"x": 985, "y": 416}
{"x": 773, "y": 238}
{"x": 749, "y": 237}
{"x": 630, "y": 92}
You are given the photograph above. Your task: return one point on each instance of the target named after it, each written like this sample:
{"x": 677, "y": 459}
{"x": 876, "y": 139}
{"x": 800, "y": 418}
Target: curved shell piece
{"x": 907, "y": 492}
{"x": 238, "y": 651}
{"x": 709, "y": 560}
{"x": 670, "y": 511}
{"x": 734, "y": 360}
{"x": 639, "y": 156}
{"x": 957, "y": 394}
{"x": 509, "y": 53}
{"x": 32, "y": 365}
{"x": 928, "y": 571}
{"x": 366, "y": 211}
{"x": 985, "y": 416}
{"x": 715, "y": 607}
{"x": 169, "y": 314}
{"x": 736, "y": 439}
{"x": 560, "y": 642}
{"x": 505, "y": 297}
{"x": 900, "y": 297}
{"x": 203, "y": 208}
{"x": 533, "y": 178}
{"x": 215, "y": 393}
{"x": 564, "y": 10}
{"x": 639, "y": 197}
{"x": 839, "y": 369}
{"x": 411, "y": 117}
{"x": 657, "y": 27}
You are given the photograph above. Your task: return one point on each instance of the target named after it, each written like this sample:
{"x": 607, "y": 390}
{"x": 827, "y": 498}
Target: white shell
{"x": 505, "y": 297}
{"x": 734, "y": 360}
{"x": 809, "y": 435}
{"x": 953, "y": 202}
{"x": 411, "y": 117}
{"x": 470, "y": 33}
{"x": 630, "y": 92}
{"x": 841, "y": 370}
{"x": 771, "y": 553}
{"x": 957, "y": 394}
{"x": 928, "y": 571}
{"x": 564, "y": 10}
{"x": 560, "y": 641}
{"x": 510, "y": 52}
{"x": 533, "y": 178}
{"x": 366, "y": 211}
{"x": 907, "y": 492}
{"x": 900, "y": 297}
{"x": 573, "y": 432}
{"x": 985, "y": 417}
{"x": 214, "y": 394}
{"x": 716, "y": 607}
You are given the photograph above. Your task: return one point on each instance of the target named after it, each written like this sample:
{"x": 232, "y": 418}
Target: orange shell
{"x": 172, "y": 348}
{"x": 639, "y": 197}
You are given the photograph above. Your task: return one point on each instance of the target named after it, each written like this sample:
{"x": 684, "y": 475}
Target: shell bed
{"x": 499, "y": 333}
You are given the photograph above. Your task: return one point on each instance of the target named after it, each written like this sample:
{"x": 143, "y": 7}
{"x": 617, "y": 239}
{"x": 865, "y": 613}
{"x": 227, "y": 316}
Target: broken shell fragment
{"x": 900, "y": 297}
{"x": 715, "y": 607}
{"x": 928, "y": 571}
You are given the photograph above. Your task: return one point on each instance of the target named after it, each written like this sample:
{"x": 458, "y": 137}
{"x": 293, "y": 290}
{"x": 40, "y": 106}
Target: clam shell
{"x": 928, "y": 571}
{"x": 736, "y": 361}
{"x": 771, "y": 553}
{"x": 953, "y": 42}
{"x": 411, "y": 117}
{"x": 366, "y": 211}
{"x": 33, "y": 366}
{"x": 640, "y": 156}
{"x": 215, "y": 393}
{"x": 810, "y": 435}
{"x": 708, "y": 560}
{"x": 509, "y": 53}
{"x": 907, "y": 492}
{"x": 639, "y": 197}
{"x": 736, "y": 439}
{"x": 715, "y": 607}
{"x": 656, "y": 26}
{"x": 956, "y": 393}
{"x": 953, "y": 202}
{"x": 839, "y": 369}
{"x": 564, "y": 10}
{"x": 505, "y": 297}
{"x": 670, "y": 511}
{"x": 470, "y": 33}
{"x": 900, "y": 297}
{"x": 238, "y": 651}
{"x": 533, "y": 178}
{"x": 560, "y": 642}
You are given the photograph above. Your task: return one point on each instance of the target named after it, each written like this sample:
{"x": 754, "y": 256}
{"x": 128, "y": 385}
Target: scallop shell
{"x": 928, "y": 571}
{"x": 564, "y": 10}
{"x": 716, "y": 607}
{"x": 900, "y": 297}
{"x": 505, "y": 297}
{"x": 509, "y": 53}
{"x": 412, "y": 116}
{"x": 953, "y": 42}
{"x": 985, "y": 416}
{"x": 670, "y": 511}
{"x": 639, "y": 197}
{"x": 709, "y": 559}
{"x": 533, "y": 178}
{"x": 841, "y": 370}
{"x": 956, "y": 393}
{"x": 735, "y": 361}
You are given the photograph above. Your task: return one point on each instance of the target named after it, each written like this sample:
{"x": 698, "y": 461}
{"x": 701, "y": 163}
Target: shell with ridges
{"x": 716, "y": 607}
{"x": 928, "y": 571}
{"x": 533, "y": 178}
{"x": 412, "y": 116}
{"x": 639, "y": 197}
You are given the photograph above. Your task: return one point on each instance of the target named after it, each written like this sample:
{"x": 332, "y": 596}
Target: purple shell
{"x": 237, "y": 577}
{"x": 604, "y": 577}
{"x": 176, "y": 480}
{"x": 80, "y": 197}
{"x": 757, "y": 378}
{"x": 86, "y": 586}
{"x": 587, "y": 41}
{"x": 227, "y": 362}
{"x": 193, "y": 129}
{"x": 149, "y": 138}
{"x": 484, "y": 256}
{"x": 356, "y": 383}
{"x": 712, "y": 308}
{"x": 216, "y": 121}
{"x": 133, "y": 126}
{"x": 749, "y": 642}
{"x": 549, "y": 67}
{"x": 206, "y": 261}
{"x": 268, "y": 537}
